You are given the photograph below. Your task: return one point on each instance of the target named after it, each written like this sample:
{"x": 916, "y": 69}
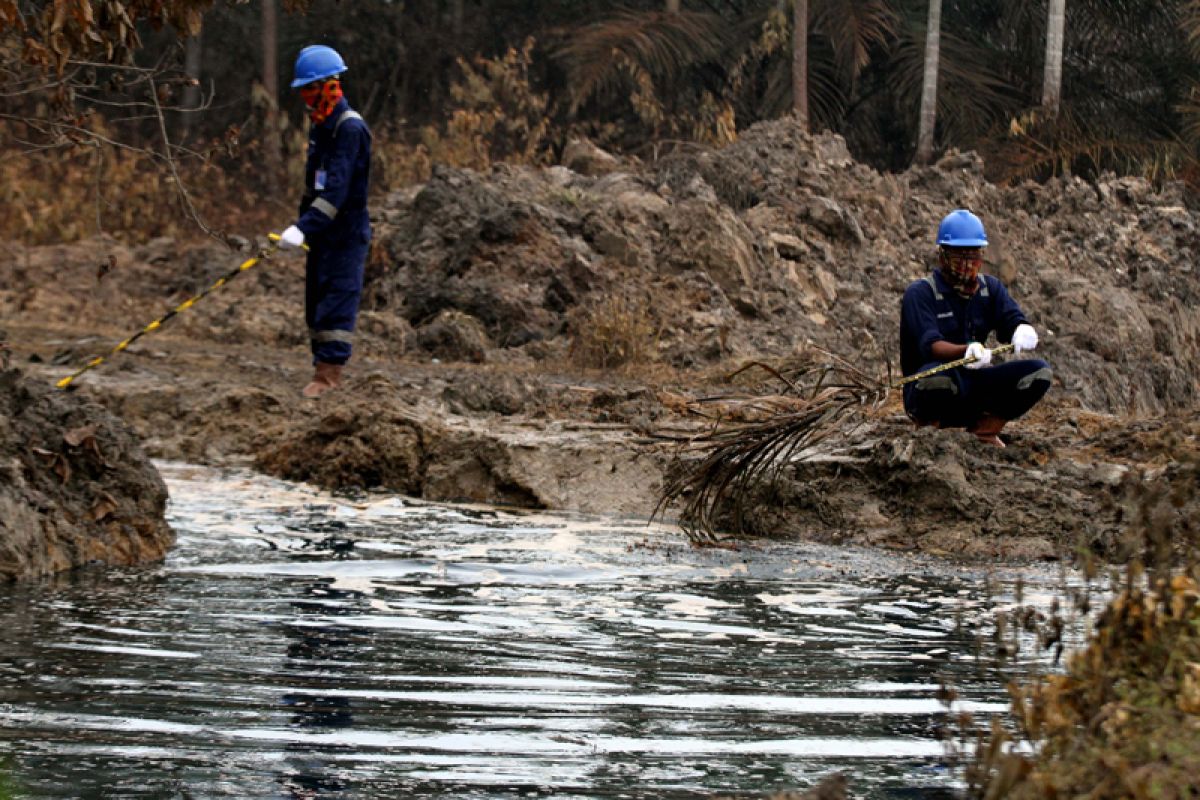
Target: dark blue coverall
{"x": 957, "y": 398}
{"x": 333, "y": 218}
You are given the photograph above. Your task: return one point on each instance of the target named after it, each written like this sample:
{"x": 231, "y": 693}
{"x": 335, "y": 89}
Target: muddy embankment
{"x": 75, "y": 486}
{"x": 524, "y": 330}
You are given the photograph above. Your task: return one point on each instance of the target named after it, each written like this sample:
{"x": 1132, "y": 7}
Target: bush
{"x": 1124, "y": 721}
{"x": 613, "y": 332}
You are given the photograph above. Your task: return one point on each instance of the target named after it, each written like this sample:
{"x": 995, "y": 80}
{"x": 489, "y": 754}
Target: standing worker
{"x": 333, "y": 214}
{"x": 947, "y": 316}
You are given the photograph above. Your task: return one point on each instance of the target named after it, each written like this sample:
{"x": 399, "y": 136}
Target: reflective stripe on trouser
{"x": 962, "y": 396}
{"x": 332, "y": 291}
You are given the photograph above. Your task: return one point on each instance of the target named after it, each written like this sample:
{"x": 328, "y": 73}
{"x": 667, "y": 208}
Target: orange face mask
{"x": 321, "y": 97}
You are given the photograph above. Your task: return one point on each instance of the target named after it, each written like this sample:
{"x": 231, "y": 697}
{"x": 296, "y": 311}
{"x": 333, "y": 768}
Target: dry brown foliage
{"x": 1124, "y": 721}
{"x": 496, "y": 116}
{"x": 96, "y": 185}
{"x": 612, "y": 332}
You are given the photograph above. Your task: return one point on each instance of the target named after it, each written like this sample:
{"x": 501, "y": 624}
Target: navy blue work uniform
{"x": 333, "y": 218}
{"x": 932, "y": 311}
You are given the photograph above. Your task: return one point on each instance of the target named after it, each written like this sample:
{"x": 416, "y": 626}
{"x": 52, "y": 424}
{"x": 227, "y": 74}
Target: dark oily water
{"x": 297, "y": 645}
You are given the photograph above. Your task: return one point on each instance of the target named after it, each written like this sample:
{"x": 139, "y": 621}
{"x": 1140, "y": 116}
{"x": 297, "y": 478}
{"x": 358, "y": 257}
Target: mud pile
{"x": 75, "y": 486}
{"x": 702, "y": 258}
{"x": 781, "y": 238}
{"x": 498, "y": 304}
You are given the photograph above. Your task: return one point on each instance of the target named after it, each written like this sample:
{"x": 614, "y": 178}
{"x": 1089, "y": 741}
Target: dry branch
{"x": 751, "y": 439}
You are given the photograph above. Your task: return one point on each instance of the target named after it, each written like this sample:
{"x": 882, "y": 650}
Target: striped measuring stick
{"x": 184, "y": 306}
{"x": 962, "y": 362}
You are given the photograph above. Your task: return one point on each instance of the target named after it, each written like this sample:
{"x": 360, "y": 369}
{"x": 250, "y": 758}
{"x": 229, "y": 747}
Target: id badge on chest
{"x": 319, "y": 181}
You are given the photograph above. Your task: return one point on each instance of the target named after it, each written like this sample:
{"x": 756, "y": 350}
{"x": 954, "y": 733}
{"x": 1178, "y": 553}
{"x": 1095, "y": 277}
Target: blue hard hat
{"x": 961, "y": 228}
{"x": 317, "y": 62}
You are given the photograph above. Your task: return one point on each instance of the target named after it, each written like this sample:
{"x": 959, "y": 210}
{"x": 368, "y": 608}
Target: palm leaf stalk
{"x": 752, "y": 439}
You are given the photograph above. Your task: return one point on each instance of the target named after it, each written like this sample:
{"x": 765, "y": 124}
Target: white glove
{"x": 1024, "y": 339}
{"x": 292, "y": 237}
{"x": 981, "y": 354}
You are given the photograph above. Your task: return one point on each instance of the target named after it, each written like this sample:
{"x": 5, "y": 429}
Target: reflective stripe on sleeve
{"x": 937, "y": 383}
{"x": 325, "y": 207}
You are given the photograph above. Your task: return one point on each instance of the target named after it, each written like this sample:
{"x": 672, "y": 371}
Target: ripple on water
{"x": 299, "y": 645}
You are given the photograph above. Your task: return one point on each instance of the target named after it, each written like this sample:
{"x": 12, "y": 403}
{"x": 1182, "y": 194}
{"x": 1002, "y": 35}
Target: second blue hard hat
{"x": 961, "y": 228}
{"x": 317, "y": 62}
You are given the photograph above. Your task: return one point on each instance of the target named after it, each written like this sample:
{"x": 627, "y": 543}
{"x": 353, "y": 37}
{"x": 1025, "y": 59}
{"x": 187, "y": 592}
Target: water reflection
{"x": 299, "y": 646}
{"x": 314, "y": 655}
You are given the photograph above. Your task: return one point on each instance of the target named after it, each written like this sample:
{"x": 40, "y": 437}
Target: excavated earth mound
{"x": 781, "y": 238}
{"x": 75, "y": 486}
{"x": 525, "y": 328}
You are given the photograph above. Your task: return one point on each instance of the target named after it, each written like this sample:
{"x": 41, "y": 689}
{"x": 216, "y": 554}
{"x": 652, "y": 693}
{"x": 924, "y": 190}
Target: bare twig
{"x": 45, "y": 127}
{"x": 179, "y": 185}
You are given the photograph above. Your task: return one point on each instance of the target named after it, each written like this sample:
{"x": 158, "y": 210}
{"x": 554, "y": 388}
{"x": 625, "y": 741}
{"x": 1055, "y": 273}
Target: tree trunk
{"x": 193, "y": 58}
{"x": 928, "y": 120}
{"x": 457, "y": 15}
{"x": 672, "y": 6}
{"x": 1052, "y": 80}
{"x": 800, "y": 61}
{"x": 270, "y": 78}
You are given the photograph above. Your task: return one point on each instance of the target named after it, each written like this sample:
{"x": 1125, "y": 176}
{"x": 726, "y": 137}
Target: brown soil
{"x": 490, "y": 299}
{"x": 75, "y": 487}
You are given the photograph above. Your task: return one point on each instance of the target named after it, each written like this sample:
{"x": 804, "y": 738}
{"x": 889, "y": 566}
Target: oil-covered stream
{"x": 298, "y": 645}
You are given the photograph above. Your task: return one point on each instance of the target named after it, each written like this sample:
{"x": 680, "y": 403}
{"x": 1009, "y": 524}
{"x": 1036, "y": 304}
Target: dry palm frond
{"x": 1035, "y": 148}
{"x": 752, "y": 438}
{"x": 661, "y": 45}
{"x": 854, "y": 27}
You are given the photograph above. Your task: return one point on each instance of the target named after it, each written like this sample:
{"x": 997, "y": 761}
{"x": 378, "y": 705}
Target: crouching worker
{"x": 333, "y": 214}
{"x": 947, "y": 316}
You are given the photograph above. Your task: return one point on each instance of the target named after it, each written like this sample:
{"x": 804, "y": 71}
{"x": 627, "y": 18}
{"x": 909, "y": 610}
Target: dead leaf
{"x": 62, "y": 468}
{"x": 60, "y": 16}
{"x": 77, "y": 436}
{"x": 104, "y": 507}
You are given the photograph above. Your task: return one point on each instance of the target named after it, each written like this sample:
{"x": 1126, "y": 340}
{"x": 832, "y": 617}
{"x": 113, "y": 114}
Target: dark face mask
{"x": 960, "y": 268}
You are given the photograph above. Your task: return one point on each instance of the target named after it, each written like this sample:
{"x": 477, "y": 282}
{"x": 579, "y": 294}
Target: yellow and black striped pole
{"x": 184, "y": 306}
{"x": 962, "y": 362}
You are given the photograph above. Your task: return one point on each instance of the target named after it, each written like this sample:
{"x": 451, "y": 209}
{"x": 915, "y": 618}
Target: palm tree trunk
{"x": 928, "y": 120}
{"x": 800, "y": 61}
{"x": 270, "y": 79}
{"x": 1052, "y": 81}
{"x": 457, "y": 15}
{"x": 193, "y": 59}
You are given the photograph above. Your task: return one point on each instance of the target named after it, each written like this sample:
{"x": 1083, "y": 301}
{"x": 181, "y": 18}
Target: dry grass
{"x": 614, "y": 332}
{"x": 1124, "y": 721}
{"x": 92, "y": 186}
